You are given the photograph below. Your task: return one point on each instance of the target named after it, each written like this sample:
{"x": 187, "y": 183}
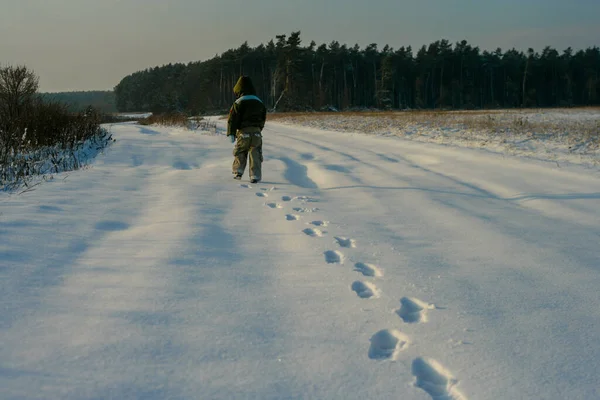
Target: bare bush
{"x": 180, "y": 120}
{"x": 39, "y": 137}
{"x": 203, "y": 124}
{"x": 167, "y": 119}
{"x": 18, "y": 87}
{"x": 117, "y": 119}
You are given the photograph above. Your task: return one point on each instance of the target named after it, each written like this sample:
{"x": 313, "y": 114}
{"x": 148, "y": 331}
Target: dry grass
{"x": 429, "y": 113}
{"x": 531, "y": 122}
{"x": 183, "y": 121}
{"x": 574, "y": 131}
{"x": 169, "y": 119}
{"x": 203, "y": 124}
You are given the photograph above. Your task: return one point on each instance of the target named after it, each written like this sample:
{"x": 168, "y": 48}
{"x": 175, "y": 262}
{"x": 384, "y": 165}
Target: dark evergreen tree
{"x": 290, "y": 76}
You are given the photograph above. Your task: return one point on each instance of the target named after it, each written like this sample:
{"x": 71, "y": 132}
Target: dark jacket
{"x": 248, "y": 110}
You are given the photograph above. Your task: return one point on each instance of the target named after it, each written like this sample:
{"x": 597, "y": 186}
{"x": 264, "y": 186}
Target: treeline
{"x": 102, "y": 100}
{"x": 289, "y": 76}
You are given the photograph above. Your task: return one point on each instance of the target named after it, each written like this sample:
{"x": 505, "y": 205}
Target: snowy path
{"x": 361, "y": 268}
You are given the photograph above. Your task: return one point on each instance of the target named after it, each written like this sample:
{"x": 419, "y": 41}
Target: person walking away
{"x": 247, "y": 118}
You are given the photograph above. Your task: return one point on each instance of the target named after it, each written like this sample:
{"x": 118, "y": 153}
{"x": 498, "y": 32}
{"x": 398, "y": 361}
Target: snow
{"x": 363, "y": 267}
{"x": 45, "y": 161}
{"x": 559, "y": 135}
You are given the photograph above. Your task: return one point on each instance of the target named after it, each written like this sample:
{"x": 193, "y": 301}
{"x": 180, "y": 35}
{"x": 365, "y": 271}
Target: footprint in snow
{"x": 368, "y": 269}
{"x": 306, "y": 199}
{"x": 261, "y": 194}
{"x": 245, "y": 186}
{"x": 313, "y": 232}
{"x": 413, "y": 310}
{"x": 44, "y": 208}
{"x": 387, "y": 344}
{"x": 292, "y": 217}
{"x": 181, "y": 165}
{"x": 436, "y": 380}
{"x": 345, "y": 242}
{"x": 305, "y": 210}
{"x": 319, "y": 223}
{"x": 365, "y": 290}
{"x": 112, "y": 226}
{"x": 334, "y": 257}
{"x": 273, "y": 205}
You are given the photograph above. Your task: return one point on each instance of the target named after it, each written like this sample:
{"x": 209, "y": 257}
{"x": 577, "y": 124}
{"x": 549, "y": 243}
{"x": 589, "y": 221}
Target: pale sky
{"x": 93, "y": 44}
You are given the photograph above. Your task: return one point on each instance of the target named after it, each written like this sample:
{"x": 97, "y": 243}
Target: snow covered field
{"x": 560, "y": 135}
{"x": 363, "y": 267}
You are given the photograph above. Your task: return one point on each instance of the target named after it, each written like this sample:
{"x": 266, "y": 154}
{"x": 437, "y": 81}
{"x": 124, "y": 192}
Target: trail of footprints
{"x": 386, "y": 344}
